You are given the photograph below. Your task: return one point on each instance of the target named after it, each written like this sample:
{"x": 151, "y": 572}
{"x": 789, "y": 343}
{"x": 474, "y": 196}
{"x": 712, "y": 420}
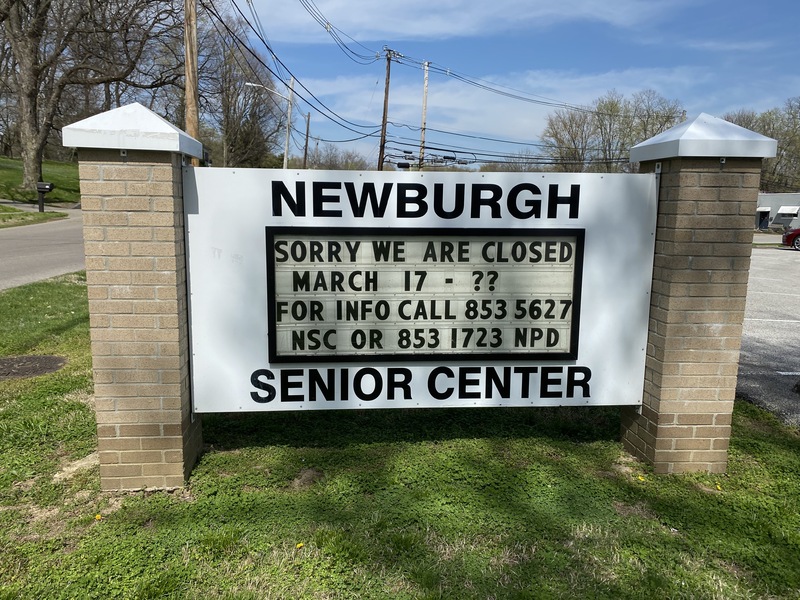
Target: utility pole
{"x": 288, "y": 124}
{"x": 382, "y": 150}
{"x": 190, "y": 60}
{"x": 305, "y": 148}
{"x": 424, "y": 115}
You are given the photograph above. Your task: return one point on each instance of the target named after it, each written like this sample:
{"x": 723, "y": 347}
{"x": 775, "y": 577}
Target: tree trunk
{"x": 25, "y": 45}
{"x": 32, "y": 140}
{"x": 29, "y": 131}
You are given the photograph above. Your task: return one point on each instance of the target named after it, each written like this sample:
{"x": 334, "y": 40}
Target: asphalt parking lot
{"x": 769, "y": 365}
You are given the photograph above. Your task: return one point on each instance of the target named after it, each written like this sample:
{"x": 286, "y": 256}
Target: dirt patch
{"x": 633, "y": 510}
{"x": 84, "y": 463}
{"x": 14, "y": 367}
{"x": 306, "y": 478}
{"x": 81, "y": 396}
{"x": 707, "y": 490}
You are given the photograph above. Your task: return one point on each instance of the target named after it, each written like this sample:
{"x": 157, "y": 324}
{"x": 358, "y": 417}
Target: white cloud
{"x": 456, "y": 107}
{"x": 729, "y": 46}
{"x": 706, "y": 74}
{"x": 288, "y": 21}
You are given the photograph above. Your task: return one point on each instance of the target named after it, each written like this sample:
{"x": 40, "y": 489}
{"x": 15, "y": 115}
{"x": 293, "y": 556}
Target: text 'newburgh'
{"x": 416, "y": 200}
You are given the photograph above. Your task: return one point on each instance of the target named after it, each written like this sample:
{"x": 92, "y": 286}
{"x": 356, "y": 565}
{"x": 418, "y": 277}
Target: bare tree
{"x": 5, "y": 8}
{"x": 328, "y": 156}
{"x": 59, "y": 43}
{"x": 567, "y": 139}
{"x": 600, "y": 139}
{"x": 242, "y": 109}
{"x": 781, "y": 173}
{"x": 744, "y": 117}
{"x": 8, "y": 104}
{"x": 613, "y": 121}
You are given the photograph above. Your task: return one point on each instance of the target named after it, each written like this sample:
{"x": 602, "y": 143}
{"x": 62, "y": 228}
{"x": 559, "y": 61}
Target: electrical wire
{"x": 494, "y": 88}
{"x": 336, "y": 34}
{"x": 394, "y": 56}
{"x": 317, "y": 104}
{"x": 357, "y": 128}
{"x": 260, "y": 29}
{"x": 325, "y": 110}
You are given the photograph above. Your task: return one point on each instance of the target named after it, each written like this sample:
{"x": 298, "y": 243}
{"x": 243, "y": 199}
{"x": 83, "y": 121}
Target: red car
{"x": 791, "y": 237}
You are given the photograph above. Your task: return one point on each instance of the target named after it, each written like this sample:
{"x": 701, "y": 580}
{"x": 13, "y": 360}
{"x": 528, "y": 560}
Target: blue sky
{"x": 712, "y": 56}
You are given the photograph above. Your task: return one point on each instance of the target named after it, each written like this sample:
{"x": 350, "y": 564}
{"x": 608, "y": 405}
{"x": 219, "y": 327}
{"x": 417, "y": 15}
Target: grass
{"x": 472, "y": 503}
{"x": 63, "y": 175}
{"x": 13, "y": 217}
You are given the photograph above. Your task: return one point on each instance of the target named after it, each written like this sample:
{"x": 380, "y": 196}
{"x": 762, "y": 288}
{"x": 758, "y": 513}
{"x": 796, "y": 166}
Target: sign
{"x": 483, "y": 295}
{"x": 329, "y": 290}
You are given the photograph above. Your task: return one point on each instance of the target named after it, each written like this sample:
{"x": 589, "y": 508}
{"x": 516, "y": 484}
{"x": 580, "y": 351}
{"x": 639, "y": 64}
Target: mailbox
{"x": 43, "y": 187}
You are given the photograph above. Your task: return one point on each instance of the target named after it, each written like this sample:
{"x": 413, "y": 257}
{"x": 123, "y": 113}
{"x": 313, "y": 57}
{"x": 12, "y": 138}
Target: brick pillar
{"x": 130, "y": 162}
{"x": 704, "y": 239}
{"x": 136, "y": 274}
{"x": 708, "y": 189}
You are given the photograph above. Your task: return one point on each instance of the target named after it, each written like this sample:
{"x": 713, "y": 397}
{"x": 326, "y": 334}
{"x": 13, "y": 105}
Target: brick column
{"x": 708, "y": 191}
{"x": 132, "y": 200}
{"x": 136, "y": 276}
{"x": 704, "y": 239}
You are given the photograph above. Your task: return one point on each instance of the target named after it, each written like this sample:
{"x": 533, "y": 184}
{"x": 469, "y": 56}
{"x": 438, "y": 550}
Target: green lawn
{"x": 14, "y": 217}
{"x": 471, "y": 503}
{"x": 63, "y": 175}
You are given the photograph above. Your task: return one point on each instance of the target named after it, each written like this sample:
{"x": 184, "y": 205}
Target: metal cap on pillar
{"x": 705, "y": 136}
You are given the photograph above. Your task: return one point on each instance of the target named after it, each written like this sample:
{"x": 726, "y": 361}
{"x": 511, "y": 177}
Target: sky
{"x": 711, "y": 56}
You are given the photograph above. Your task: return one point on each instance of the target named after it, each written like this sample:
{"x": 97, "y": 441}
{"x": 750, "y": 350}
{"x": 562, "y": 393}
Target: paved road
{"x": 770, "y": 361}
{"x": 769, "y": 365}
{"x": 35, "y": 252}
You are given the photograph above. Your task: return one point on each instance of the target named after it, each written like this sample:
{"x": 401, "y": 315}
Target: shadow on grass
{"x": 511, "y": 502}
{"x": 504, "y": 503}
{"x": 342, "y": 428}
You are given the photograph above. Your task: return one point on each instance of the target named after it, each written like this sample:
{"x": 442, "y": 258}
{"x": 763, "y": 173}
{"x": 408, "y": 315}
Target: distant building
{"x": 777, "y": 211}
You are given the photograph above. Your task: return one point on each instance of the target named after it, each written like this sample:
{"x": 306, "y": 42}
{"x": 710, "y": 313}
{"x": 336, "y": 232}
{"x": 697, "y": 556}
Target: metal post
{"x": 424, "y": 116}
{"x": 190, "y": 66}
{"x": 288, "y": 124}
{"x": 382, "y": 149}
{"x": 305, "y": 148}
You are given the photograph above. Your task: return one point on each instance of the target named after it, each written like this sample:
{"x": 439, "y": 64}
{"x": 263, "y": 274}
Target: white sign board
{"x": 331, "y": 290}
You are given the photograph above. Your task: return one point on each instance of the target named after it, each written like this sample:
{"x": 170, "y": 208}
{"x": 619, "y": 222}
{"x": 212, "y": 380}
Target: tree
{"x": 5, "y": 8}
{"x": 567, "y": 138}
{"x": 612, "y": 124}
{"x": 744, "y": 117}
{"x": 599, "y": 139}
{"x": 781, "y": 173}
{"x": 56, "y": 44}
{"x": 238, "y": 99}
{"x": 652, "y": 114}
{"x": 333, "y": 158}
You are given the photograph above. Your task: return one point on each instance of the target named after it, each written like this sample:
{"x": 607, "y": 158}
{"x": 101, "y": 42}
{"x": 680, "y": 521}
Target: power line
{"x": 357, "y": 128}
{"x": 394, "y": 56}
{"x": 465, "y": 135}
{"x": 336, "y": 34}
{"x": 319, "y": 107}
{"x": 479, "y": 83}
{"x": 283, "y": 66}
{"x": 493, "y": 88}
{"x": 260, "y": 29}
